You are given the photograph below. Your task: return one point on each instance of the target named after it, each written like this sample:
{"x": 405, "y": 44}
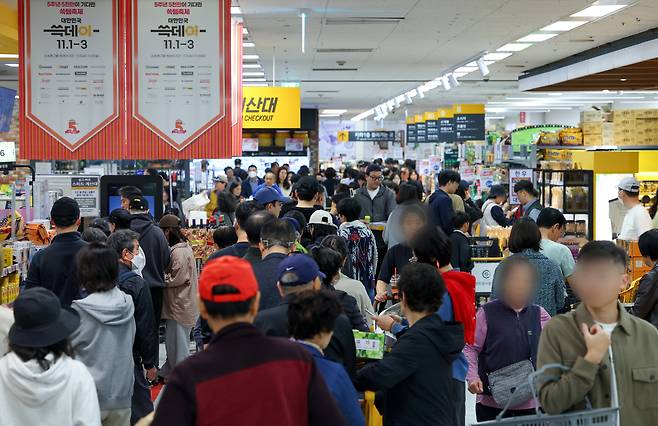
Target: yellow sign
{"x": 343, "y": 136}
{"x": 444, "y": 113}
{"x": 271, "y": 107}
{"x": 430, "y": 116}
{"x": 411, "y": 119}
{"x": 468, "y": 109}
{"x": 419, "y": 118}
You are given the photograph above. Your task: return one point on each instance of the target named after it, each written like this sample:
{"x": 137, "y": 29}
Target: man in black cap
{"x": 54, "y": 266}
{"x": 156, "y": 250}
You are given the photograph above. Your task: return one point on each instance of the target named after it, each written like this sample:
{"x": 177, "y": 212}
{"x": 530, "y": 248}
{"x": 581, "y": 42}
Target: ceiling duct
{"x": 365, "y": 20}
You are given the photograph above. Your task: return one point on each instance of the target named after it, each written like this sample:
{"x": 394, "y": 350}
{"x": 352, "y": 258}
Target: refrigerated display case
{"x": 571, "y": 192}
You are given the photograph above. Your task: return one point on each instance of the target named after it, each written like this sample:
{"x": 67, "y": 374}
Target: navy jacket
{"x": 461, "y": 252}
{"x": 339, "y": 385}
{"x": 342, "y": 349}
{"x": 156, "y": 249}
{"x": 441, "y": 211}
{"x": 237, "y": 250}
{"x": 266, "y": 274}
{"x": 146, "y": 347}
{"x": 246, "y": 187}
{"x": 54, "y": 268}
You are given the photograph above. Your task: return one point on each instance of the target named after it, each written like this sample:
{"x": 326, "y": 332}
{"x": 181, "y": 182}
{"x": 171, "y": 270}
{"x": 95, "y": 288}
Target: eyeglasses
{"x": 379, "y": 178}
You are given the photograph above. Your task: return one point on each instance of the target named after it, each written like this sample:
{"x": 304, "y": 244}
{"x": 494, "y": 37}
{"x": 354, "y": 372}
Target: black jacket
{"x": 54, "y": 268}
{"x": 350, "y": 307}
{"x": 266, "y": 275}
{"x": 472, "y": 210}
{"x": 274, "y": 322}
{"x": 441, "y": 211}
{"x": 246, "y": 187}
{"x": 253, "y": 255}
{"x": 156, "y": 249}
{"x": 461, "y": 252}
{"x": 145, "y": 348}
{"x": 646, "y": 303}
{"x": 416, "y": 376}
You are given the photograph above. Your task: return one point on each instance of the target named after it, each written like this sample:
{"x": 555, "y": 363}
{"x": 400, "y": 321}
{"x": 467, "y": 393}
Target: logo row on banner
{"x": 118, "y": 79}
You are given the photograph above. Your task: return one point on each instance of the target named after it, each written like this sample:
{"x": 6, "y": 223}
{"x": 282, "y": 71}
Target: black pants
{"x": 141, "y": 405}
{"x": 484, "y": 413}
{"x": 156, "y": 296}
{"x": 459, "y": 402}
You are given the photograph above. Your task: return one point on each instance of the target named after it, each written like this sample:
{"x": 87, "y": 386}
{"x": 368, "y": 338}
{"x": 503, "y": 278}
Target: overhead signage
{"x": 271, "y": 108}
{"x": 71, "y": 67}
{"x": 178, "y": 66}
{"x": 469, "y": 122}
{"x": 421, "y": 128}
{"x": 7, "y": 152}
{"x": 366, "y": 136}
{"x": 411, "y": 130}
{"x": 446, "y": 125}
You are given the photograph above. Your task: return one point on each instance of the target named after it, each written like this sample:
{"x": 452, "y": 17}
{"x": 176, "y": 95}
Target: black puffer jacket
{"x": 646, "y": 303}
{"x": 156, "y": 249}
{"x": 145, "y": 348}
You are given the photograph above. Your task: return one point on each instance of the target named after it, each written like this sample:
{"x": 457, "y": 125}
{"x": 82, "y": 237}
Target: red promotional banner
{"x": 125, "y": 79}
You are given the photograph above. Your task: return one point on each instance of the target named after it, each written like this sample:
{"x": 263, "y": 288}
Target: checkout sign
{"x": 271, "y": 108}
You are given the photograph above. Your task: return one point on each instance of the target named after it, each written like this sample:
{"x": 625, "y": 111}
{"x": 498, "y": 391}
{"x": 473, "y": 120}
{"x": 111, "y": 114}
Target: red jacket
{"x": 244, "y": 378}
{"x": 461, "y": 287}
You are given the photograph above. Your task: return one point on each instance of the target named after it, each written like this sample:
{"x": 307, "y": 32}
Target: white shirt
{"x": 636, "y": 223}
{"x": 609, "y": 328}
{"x": 373, "y": 193}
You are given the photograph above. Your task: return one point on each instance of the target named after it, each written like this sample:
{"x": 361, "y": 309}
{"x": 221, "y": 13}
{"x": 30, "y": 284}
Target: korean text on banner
{"x": 271, "y": 107}
{"x": 72, "y": 69}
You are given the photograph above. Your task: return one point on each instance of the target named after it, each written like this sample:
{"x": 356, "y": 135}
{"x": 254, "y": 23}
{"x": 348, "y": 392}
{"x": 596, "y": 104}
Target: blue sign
{"x": 7, "y": 101}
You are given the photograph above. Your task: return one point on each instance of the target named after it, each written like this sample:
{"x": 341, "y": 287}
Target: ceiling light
{"x": 496, "y": 56}
{"x": 8, "y": 56}
{"x": 333, "y": 111}
{"x": 563, "y": 25}
{"x": 244, "y": 66}
{"x": 494, "y": 118}
{"x": 245, "y": 31}
{"x": 250, "y": 57}
{"x": 398, "y": 101}
{"x": 598, "y": 11}
{"x": 408, "y": 99}
{"x": 16, "y": 97}
{"x": 514, "y": 47}
{"x": 248, "y": 44}
{"x": 253, "y": 74}
{"x": 363, "y": 115}
{"x": 255, "y": 84}
{"x": 453, "y": 80}
{"x": 621, "y": 79}
{"x": 421, "y": 91}
{"x": 254, "y": 79}
{"x": 329, "y": 115}
{"x": 235, "y": 10}
{"x": 446, "y": 83}
{"x": 466, "y": 69}
{"x": 484, "y": 69}
{"x": 12, "y": 65}
{"x": 536, "y": 37}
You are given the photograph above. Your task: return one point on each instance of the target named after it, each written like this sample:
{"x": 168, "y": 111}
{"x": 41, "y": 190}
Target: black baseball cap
{"x": 39, "y": 319}
{"x": 138, "y": 202}
{"x": 65, "y": 212}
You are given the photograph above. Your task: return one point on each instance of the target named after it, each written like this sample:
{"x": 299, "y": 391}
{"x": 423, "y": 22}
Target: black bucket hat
{"x": 39, "y": 319}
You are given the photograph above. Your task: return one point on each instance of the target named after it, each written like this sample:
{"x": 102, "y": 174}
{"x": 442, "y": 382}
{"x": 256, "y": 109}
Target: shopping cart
{"x": 588, "y": 417}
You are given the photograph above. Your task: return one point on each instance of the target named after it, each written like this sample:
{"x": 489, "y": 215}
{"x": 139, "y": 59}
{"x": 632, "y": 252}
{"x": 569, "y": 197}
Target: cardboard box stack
{"x": 597, "y": 130}
{"x": 626, "y": 127}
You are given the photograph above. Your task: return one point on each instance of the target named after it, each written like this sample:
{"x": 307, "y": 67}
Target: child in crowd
{"x": 104, "y": 340}
{"x": 601, "y": 344}
{"x": 179, "y": 308}
{"x": 40, "y": 382}
{"x": 461, "y": 243}
{"x": 311, "y": 319}
{"x": 507, "y": 332}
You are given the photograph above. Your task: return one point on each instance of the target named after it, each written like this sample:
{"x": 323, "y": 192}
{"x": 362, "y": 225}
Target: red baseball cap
{"x": 228, "y": 270}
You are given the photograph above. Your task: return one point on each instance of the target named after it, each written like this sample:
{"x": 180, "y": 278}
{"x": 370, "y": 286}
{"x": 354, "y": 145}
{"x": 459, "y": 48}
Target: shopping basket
{"x": 588, "y": 417}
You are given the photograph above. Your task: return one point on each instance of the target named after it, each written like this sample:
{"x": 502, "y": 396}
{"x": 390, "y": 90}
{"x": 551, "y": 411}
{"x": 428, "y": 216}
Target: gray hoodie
{"x": 104, "y": 343}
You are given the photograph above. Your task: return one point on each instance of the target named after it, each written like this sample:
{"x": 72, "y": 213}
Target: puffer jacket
{"x": 646, "y": 302}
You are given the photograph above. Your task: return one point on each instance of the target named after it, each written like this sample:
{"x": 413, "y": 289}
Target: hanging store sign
{"x": 271, "y": 107}
{"x": 71, "y": 67}
{"x": 178, "y": 66}
{"x": 373, "y": 136}
{"x": 446, "y": 125}
{"x": 469, "y": 122}
{"x": 411, "y": 131}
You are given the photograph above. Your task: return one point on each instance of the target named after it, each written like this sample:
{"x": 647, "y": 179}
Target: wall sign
{"x": 469, "y": 122}
{"x": 271, "y": 107}
{"x": 373, "y": 136}
{"x": 71, "y": 71}
{"x": 178, "y": 86}
{"x": 484, "y": 273}
{"x": 516, "y": 175}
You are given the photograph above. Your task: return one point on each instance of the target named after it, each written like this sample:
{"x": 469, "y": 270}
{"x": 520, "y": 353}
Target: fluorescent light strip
{"x": 252, "y": 66}
{"x": 8, "y": 56}
{"x": 250, "y": 57}
{"x": 497, "y": 56}
{"x": 598, "y": 11}
{"x": 256, "y": 84}
{"x": 12, "y": 65}
{"x": 254, "y": 79}
{"x": 537, "y": 37}
{"x": 333, "y": 111}
{"x": 235, "y": 10}
{"x": 364, "y": 115}
{"x": 514, "y": 47}
{"x": 563, "y": 26}
{"x": 248, "y": 44}
{"x": 253, "y": 74}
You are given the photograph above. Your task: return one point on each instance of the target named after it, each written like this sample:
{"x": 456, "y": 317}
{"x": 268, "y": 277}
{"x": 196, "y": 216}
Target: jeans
{"x": 141, "y": 401}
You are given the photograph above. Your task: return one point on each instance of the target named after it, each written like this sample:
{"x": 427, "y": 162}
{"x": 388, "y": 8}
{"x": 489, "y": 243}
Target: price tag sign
{"x": 7, "y": 152}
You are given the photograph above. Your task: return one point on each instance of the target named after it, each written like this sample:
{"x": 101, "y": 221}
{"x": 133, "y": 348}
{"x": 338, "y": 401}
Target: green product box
{"x": 369, "y": 345}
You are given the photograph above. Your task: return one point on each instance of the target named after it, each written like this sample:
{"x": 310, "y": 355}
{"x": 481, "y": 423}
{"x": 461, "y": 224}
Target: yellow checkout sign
{"x": 271, "y": 107}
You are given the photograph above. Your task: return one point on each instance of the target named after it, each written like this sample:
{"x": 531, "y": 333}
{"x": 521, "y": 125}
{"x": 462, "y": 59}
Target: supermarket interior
{"x": 389, "y": 134}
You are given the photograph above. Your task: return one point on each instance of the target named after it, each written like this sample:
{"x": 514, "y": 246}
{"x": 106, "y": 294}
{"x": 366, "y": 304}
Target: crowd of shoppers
{"x": 274, "y": 309}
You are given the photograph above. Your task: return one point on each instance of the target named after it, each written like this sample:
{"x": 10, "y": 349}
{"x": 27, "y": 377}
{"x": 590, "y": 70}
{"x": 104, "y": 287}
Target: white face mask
{"x": 139, "y": 262}
{"x": 253, "y": 174}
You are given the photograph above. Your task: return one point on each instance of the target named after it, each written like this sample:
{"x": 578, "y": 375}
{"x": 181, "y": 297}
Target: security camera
{"x": 341, "y": 63}
{"x": 485, "y": 79}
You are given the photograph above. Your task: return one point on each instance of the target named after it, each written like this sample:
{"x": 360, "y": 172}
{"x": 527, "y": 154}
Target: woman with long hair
{"x": 283, "y": 181}
{"x": 179, "y": 308}
{"x": 227, "y": 203}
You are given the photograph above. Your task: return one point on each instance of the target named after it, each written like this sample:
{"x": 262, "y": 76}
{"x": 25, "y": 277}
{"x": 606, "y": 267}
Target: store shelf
{"x": 600, "y": 148}
{"x": 10, "y": 269}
